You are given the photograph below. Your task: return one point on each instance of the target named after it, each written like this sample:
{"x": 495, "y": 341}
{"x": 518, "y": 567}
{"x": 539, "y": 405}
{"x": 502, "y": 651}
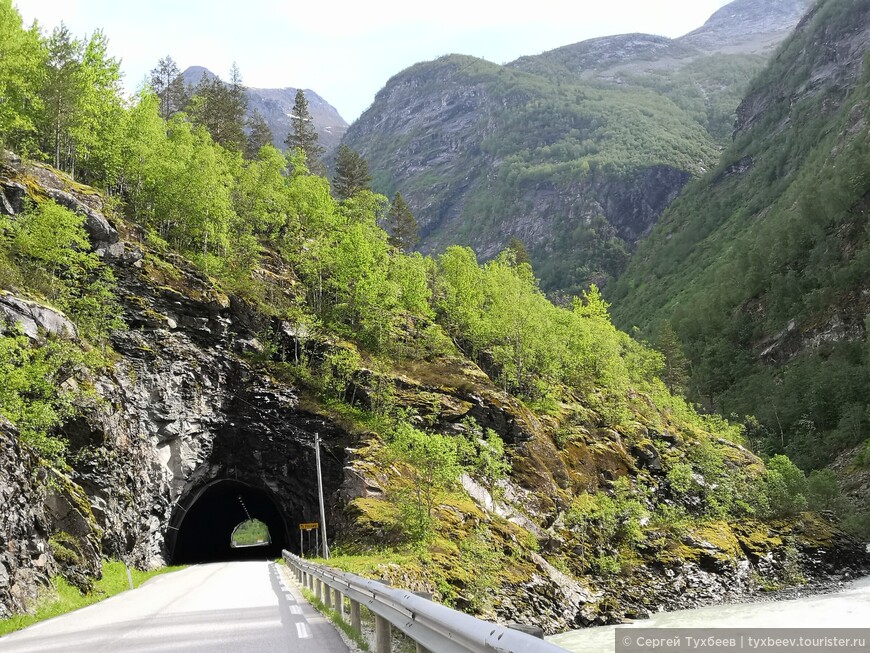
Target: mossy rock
{"x": 757, "y": 539}
{"x": 713, "y": 546}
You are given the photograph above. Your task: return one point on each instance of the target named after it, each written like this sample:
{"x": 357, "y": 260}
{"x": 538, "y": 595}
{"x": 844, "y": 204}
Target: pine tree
{"x": 351, "y": 173}
{"x": 676, "y": 371}
{"x": 259, "y": 134}
{"x": 401, "y": 225}
{"x": 221, "y": 108}
{"x": 303, "y": 135}
{"x": 518, "y": 250}
{"x": 168, "y": 84}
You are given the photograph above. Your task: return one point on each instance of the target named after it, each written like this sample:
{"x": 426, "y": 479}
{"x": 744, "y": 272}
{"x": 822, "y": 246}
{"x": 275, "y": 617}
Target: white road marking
{"x": 302, "y": 630}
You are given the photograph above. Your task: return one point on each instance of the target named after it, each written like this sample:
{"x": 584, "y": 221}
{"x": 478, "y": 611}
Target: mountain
{"x": 276, "y": 104}
{"x": 576, "y": 151}
{"x": 762, "y": 267}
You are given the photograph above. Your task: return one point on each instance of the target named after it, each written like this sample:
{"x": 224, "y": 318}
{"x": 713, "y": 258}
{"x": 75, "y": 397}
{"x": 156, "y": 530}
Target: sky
{"x": 346, "y": 51}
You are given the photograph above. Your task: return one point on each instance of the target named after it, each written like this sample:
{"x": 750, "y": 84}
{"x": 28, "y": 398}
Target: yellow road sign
{"x": 309, "y": 526}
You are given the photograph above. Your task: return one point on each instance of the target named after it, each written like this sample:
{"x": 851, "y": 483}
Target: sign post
{"x": 306, "y": 526}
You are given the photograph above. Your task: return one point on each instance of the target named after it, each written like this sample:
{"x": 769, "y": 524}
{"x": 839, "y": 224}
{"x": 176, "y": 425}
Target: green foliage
{"x": 34, "y": 395}
{"x": 303, "y": 135}
{"x": 168, "y": 85}
{"x": 49, "y": 248}
{"x": 432, "y": 469}
{"x": 220, "y": 108}
{"x": 498, "y": 312}
{"x": 862, "y": 458}
{"x": 401, "y": 225}
{"x": 22, "y": 59}
{"x": 786, "y": 487}
{"x": 252, "y": 532}
{"x": 337, "y": 370}
{"x": 608, "y": 523}
{"x": 537, "y": 137}
{"x": 484, "y": 560}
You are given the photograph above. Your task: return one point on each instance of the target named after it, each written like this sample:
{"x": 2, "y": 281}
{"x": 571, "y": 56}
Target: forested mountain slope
{"x": 177, "y": 333}
{"x": 762, "y": 267}
{"x": 576, "y": 151}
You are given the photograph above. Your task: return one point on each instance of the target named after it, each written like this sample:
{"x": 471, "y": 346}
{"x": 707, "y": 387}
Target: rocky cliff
{"x": 576, "y": 151}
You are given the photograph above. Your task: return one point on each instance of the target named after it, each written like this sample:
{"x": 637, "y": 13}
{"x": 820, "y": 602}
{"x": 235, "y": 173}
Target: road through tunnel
{"x": 205, "y": 528}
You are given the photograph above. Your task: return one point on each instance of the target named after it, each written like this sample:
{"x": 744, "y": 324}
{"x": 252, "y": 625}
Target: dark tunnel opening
{"x": 206, "y": 529}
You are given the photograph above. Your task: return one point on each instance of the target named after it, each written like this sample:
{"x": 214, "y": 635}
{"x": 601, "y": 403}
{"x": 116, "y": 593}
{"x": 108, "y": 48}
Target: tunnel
{"x": 205, "y": 529}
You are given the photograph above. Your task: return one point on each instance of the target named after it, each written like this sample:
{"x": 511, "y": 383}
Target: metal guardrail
{"x": 435, "y": 628}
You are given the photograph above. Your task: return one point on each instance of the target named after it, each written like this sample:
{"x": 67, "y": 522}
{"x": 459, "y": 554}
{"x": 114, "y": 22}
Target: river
{"x": 848, "y": 607}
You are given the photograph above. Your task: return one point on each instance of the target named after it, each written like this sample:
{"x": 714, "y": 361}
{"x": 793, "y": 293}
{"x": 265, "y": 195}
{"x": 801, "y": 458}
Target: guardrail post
{"x": 338, "y": 603}
{"x": 318, "y": 589}
{"x": 422, "y": 649}
{"x": 382, "y": 635}
{"x": 355, "y": 620}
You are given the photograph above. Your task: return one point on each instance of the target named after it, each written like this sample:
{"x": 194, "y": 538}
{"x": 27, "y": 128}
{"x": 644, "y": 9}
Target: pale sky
{"x": 346, "y": 51}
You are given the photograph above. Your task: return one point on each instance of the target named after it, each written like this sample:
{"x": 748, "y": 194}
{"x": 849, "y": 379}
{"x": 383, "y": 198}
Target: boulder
{"x": 35, "y": 320}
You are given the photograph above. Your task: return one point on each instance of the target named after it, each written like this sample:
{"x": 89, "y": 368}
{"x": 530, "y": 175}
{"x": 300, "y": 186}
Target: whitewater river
{"x": 846, "y": 608}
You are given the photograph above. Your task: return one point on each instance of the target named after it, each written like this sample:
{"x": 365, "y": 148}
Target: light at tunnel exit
{"x": 205, "y": 533}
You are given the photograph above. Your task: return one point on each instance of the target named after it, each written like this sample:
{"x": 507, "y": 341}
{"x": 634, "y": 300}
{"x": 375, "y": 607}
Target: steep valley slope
{"x": 761, "y": 267}
{"x": 576, "y": 151}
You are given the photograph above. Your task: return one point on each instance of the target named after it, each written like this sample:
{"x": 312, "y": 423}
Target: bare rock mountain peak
{"x": 742, "y": 22}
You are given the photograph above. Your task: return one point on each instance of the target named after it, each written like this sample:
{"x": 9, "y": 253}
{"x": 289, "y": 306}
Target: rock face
{"x": 25, "y": 559}
{"x": 749, "y": 23}
{"x": 276, "y": 105}
{"x": 832, "y": 69}
{"x": 484, "y": 153}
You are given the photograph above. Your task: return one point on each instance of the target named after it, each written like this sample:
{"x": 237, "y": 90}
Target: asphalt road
{"x": 232, "y": 607}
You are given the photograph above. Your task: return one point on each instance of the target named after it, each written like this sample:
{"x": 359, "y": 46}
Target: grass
{"x": 62, "y": 597}
{"x": 336, "y": 619}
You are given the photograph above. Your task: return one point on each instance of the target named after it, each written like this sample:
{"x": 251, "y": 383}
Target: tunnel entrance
{"x": 206, "y": 530}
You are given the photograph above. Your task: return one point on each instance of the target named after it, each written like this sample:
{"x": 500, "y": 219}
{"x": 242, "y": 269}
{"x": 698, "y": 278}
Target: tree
{"x": 221, "y": 108}
{"x": 97, "y": 128}
{"x": 521, "y": 255}
{"x": 259, "y": 134}
{"x": 303, "y": 135}
{"x": 351, "y": 173}
{"x": 61, "y": 94}
{"x": 401, "y": 225}
{"x": 676, "y": 370}
{"x": 22, "y": 70}
{"x": 433, "y": 468}
{"x": 168, "y": 84}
